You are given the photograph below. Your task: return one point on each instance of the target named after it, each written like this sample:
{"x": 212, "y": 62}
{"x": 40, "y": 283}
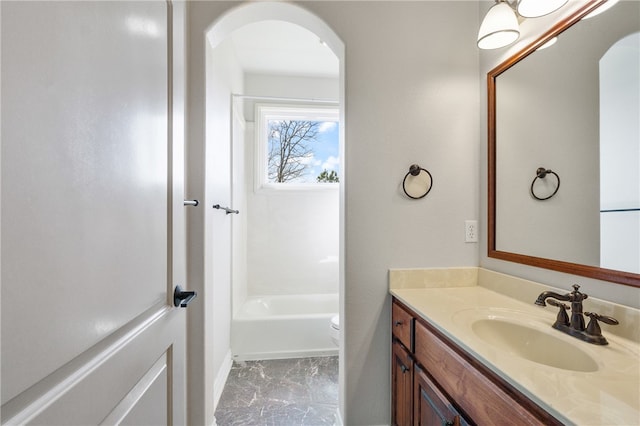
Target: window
{"x": 296, "y": 146}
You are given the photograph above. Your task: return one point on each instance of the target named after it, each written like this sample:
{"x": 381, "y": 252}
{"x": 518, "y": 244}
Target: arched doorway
{"x": 214, "y": 234}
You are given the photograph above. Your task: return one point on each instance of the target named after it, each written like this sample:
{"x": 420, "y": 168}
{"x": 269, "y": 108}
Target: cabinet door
{"x": 431, "y": 407}
{"x": 402, "y": 387}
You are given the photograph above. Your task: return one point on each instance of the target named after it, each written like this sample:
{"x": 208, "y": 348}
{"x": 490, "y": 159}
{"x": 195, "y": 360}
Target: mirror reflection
{"x": 572, "y": 108}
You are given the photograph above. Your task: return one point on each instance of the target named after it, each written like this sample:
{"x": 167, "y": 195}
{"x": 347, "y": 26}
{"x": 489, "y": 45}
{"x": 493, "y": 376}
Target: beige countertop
{"x": 610, "y": 395}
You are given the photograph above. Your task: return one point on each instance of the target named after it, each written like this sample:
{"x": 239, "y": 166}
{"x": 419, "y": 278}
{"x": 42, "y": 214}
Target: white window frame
{"x": 266, "y": 112}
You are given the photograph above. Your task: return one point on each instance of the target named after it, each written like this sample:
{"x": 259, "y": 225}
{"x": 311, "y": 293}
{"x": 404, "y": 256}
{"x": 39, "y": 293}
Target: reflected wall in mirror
{"x": 572, "y": 108}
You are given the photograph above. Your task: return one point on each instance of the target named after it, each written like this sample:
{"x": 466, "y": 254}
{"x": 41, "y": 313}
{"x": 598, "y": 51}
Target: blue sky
{"x": 326, "y": 154}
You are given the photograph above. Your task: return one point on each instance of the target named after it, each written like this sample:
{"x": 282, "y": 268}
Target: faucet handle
{"x": 605, "y": 319}
{"x": 593, "y": 328}
{"x": 557, "y": 304}
{"x": 562, "y": 317}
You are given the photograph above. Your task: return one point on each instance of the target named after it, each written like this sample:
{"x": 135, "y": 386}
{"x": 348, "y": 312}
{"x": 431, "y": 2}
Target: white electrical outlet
{"x": 471, "y": 231}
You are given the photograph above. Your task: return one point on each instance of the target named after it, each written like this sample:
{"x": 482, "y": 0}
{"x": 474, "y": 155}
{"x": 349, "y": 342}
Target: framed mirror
{"x": 573, "y": 110}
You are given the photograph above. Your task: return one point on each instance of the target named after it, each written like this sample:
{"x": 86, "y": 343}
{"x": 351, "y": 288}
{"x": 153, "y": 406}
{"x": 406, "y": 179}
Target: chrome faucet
{"x": 575, "y": 326}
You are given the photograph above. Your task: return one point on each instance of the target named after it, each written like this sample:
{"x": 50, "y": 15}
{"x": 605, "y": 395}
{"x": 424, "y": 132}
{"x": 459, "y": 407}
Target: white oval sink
{"x": 533, "y": 344}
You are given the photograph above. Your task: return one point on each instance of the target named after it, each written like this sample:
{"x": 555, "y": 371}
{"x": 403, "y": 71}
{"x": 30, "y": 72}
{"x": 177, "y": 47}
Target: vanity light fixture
{"x": 602, "y": 8}
{"x": 500, "y": 26}
{"x": 537, "y": 8}
{"x": 605, "y": 6}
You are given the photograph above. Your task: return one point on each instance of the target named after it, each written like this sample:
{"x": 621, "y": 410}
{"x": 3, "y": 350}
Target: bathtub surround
{"x": 273, "y": 327}
{"x": 292, "y": 237}
{"x": 335, "y": 330}
{"x": 287, "y": 272}
{"x": 281, "y": 392}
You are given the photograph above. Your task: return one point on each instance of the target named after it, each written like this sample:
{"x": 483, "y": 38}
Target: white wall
{"x": 209, "y": 230}
{"x": 287, "y": 87}
{"x": 531, "y": 29}
{"x": 411, "y": 96}
{"x": 224, "y": 77}
{"x": 292, "y": 235}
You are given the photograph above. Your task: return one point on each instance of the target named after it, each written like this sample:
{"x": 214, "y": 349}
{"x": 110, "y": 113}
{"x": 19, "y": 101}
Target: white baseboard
{"x": 221, "y": 379}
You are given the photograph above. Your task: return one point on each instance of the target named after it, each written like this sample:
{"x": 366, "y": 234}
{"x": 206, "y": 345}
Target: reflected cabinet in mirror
{"x": 564, "y": 148}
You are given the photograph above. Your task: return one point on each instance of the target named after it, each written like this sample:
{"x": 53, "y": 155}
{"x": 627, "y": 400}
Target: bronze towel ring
{"x": 542, "y": 173}
{"x": 415, "y": 171}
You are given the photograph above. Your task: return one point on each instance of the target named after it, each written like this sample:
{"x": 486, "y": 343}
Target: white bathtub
{"x": 273, "y": 327}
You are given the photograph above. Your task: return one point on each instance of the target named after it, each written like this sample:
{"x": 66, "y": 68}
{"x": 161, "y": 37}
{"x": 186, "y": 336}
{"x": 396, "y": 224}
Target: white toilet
{"x": 335, "y": 329}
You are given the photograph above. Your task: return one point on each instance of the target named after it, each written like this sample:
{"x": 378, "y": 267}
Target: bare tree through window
{"x": 297, "y": 146}
{"x": 290, "y": 149}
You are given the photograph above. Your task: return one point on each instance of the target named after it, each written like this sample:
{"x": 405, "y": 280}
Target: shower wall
{"x": 292, "y": 235}
{"x": 293, "y": 242}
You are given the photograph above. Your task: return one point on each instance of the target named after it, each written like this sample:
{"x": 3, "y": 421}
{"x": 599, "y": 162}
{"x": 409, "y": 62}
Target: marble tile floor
{"x": 281, "y": 392}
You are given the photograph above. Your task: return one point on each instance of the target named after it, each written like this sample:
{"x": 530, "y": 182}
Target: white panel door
{"x": 92, "y": 236}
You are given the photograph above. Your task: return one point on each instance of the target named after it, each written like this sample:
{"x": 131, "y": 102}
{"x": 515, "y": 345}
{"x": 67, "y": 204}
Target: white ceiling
{"x": 282, "y": 48}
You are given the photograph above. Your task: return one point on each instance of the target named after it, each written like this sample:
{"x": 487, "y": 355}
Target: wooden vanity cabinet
{"x": 449, "y": 386}
{"x": 402, "y": 378}
{"x": 416, "y": 400}
{"x": 402, "y": 366}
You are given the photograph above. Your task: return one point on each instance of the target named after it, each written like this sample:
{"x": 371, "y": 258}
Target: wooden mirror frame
{"x": 621, "y": 277}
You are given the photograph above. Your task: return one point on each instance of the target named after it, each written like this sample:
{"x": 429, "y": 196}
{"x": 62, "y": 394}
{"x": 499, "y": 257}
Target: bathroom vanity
{"x": 436, "y": 363}
{"x": 466, "y": 351}
{"x": 469, "y": 345}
